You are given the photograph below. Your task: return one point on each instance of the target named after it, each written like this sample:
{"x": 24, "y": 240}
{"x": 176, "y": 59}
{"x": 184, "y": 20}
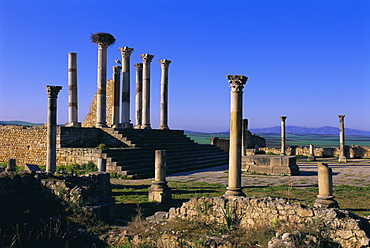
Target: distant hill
{"x": 20, "y": 123}
{"x": 319, "y": 130}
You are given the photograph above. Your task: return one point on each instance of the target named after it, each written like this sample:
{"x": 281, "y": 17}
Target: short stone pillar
{"x": 125, "y": 114}
{"x": 235, "y": 156}
{"x": 342, "y": 155}
{"x": 159, "y": 191}
{"x": 51, "y": 149}
{"x": 11, "y": 165}
{"x": 163, "y": 118}
{"x": 282, "y": 150}
{"x": 325, "y": 198}
{"x": 72, "y": 91}
{"x": 244, "y": 136}
{"x": 102, "y": 164}
{"x": 311, "y": 155}
{"x": 116, "y": 94}
{"x": 147, "y": 59}
{"x": 139, "y": 94}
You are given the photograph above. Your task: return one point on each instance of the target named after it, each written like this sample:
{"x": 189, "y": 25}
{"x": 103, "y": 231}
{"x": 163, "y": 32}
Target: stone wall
{"x": 341, "y": 226}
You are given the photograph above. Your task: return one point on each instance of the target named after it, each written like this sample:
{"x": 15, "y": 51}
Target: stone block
{"x": 270, "y": 164}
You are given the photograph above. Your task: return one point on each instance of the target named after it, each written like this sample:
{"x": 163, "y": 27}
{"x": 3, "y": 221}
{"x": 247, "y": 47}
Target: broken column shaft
{"x": 325, "y": 199}
{"x": 282, "y": 150}
{"x": 342, "y": 155}
{"x": 159, "y": 191}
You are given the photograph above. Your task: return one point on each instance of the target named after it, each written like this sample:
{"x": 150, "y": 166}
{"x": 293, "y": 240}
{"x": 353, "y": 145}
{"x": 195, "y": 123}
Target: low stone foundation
{"x": 270, "y": 164}
{"x": 343, "y": 227}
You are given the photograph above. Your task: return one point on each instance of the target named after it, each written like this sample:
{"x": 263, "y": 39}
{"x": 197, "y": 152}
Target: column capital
{"x": 53, "y": 91}
{"x": 283, "y": 118}
{"x": 165, "y": 63}
{"x": 125, "y": 51}
{"x": 237, "y": 82}
{"x": 102, "y": 46}
{"x": 341, "y": 117}
{"x": 138, "y": 66}
{"x": 147, "y": 58}
{"x": 116, "y": 68}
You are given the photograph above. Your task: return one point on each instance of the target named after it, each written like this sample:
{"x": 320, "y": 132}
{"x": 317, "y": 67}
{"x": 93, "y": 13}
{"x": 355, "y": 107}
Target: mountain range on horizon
{"x": 276, "y": 129}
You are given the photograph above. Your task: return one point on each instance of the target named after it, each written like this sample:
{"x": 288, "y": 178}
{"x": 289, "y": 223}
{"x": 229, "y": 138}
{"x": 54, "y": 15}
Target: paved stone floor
{"x": 355, "y": 172}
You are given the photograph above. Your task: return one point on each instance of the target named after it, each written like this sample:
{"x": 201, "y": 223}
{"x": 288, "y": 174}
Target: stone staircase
{"x": 137, "y": 159}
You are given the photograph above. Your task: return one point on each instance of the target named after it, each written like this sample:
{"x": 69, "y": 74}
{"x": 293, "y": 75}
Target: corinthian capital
{"x": 237, "y": 82}
{"x": 165, "y": 63}
{"x": 126, "y": 51}
{"x": 53, "y": 91}
{"x": 282, "y": 118}
{"x": 147, "y": 58}
{"x": 341, "y": 117}
{"x": 139, "y": 66}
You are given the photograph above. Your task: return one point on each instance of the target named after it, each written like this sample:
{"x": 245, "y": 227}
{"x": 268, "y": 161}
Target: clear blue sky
{"x": 306, "y": 59}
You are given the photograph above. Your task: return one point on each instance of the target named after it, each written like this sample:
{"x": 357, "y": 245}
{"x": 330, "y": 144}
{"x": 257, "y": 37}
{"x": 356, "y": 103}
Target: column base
{"x": 233, "y": 192}
{"x": 159, "y": 192}
{"x": 145, "y": 126}
{"x": 125, "y": 125}
{"x": 311, "y": 158}
{"x": 101, "y": 124}
{"x": 342, "y": 158}
{"x": 164, "y": 127}
{"x": 73, "y": 124}
{"x": 326, "y": 202}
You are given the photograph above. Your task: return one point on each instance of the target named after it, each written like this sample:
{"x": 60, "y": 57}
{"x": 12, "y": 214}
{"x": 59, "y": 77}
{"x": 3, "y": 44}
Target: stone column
{"x": 72, "y": 91}
{"x": 139, "y": 94}
{"x": 51, "y": 149}
{"x": 116, "y": 93}
{"x": 325, "y": 199}
{"x": 101, "y": 98}
{"x": 102, "y": 164}
{"x": 342, "y": 155}
{"x": 244, "y": 137}
{"x": 164, "y": 94}
{"x": 147, "y": 59}
{"x": 282, "y": 118}
{"x": 311, "y": 156}
{"x": 234, "y": 185}
{"x": 125, "y": 115}
{"x": 11, "y": 165}
{"x": 159, "y": 191}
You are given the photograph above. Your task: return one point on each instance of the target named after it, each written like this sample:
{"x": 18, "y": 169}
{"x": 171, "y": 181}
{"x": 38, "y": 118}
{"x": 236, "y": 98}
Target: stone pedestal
{"x": 325, "y": 199}
{"x": 101, "y": 96}
{"x": 52, "y": 128}
{"x": 147, "y": 59}
{"x": 116, "y": 98}
{"x": 139, "y": 94}
{"x": 11, "y": 165}
{"x": 311, "y": 156}
{"x": 163, "y": 120}
{"x": 282, "y": 152}
{"x": 235, "y": 155}
{"x": 125, "y": 114}
{"x": 159, "y": 191}
{"x": 342, "y": 155}
{"x": 72, "y": 91}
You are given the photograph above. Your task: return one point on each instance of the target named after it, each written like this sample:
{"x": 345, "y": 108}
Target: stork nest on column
{"x": 103, "y": 38}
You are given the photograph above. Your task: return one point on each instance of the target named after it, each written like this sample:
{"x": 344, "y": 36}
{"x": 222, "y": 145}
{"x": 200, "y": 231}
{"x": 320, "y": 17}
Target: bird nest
{"x": 103, "y": 38}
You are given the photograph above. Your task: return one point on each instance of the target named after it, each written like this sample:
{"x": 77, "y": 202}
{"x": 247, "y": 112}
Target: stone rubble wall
{"x": 251, "y": 141}
{"x": 341, "y": 226}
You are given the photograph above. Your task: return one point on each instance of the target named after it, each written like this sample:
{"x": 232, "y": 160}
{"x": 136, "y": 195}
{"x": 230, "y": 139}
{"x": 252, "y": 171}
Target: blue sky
{"x": 306, "y": 59}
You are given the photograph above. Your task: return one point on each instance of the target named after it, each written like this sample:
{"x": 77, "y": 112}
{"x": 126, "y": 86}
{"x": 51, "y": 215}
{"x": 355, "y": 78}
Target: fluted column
{"x": 52, "y": 128}
{"x": 72, "y": 91}
{"x": 164, "y": 95}
{"x": 101, "y": 100}
{"x": 147, "y": 59}
{"x": 116, "y": 93}
{"x": 236, "y": 111}
{"x": 342, "y": 155}
{"x": 125, "y": 115}
{"x": 139, "y": 94}
{"x": 282, "y": 118}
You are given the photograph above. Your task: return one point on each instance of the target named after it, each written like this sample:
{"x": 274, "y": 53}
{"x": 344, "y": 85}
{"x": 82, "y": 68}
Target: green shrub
{"x": 78, "y": 169}
{"x": 102, "y": 146}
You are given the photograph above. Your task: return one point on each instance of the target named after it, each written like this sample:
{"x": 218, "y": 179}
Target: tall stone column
{"x": 147, "y": 59}
{"x": 342, "y": 155}
{"x": 101, "y": 99}
{"x": 159, "y": 191}
{"x": 325, "y": 199}
{"x": 244, "y": 137}
{"x": 52, "y": 128}
{"x": 164, "y": 94}
{"x": 236, "y": 111}
{"x": 139, "y": 94}
{"x": 125, "y": 115}
{"x": 282, "y": 118}
{"x": 116, "y": 93}
{"x": 72, "y": 91}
